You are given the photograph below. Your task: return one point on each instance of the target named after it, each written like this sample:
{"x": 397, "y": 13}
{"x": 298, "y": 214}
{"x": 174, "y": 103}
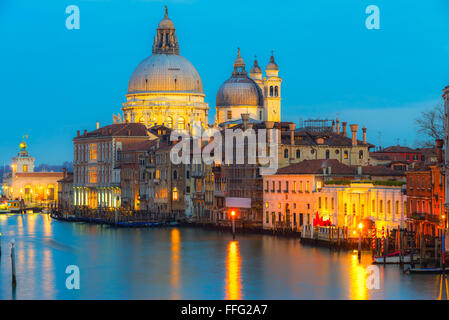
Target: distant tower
{"x": 272, "y": 91}
{"x": 23, "y": 162}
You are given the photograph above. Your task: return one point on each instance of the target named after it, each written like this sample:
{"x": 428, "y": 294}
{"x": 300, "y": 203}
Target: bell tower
{"x": 272, "y": 91}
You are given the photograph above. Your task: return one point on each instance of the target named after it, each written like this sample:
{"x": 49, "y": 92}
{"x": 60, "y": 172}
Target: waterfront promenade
{"x": 186, "y": 263}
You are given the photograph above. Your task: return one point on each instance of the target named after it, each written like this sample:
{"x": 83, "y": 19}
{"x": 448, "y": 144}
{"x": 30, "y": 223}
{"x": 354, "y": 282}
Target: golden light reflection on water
{"x": 175, "y": 262}
{"x": 233, "y": 277}
{"x": 358, "y": 289}
{"x": 47, "y": 226}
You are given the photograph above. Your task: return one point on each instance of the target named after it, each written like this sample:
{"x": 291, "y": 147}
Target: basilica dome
{"x": 239, "y": 90}
{"x": 165, "y": 70}
{"x": 165, "y": 73}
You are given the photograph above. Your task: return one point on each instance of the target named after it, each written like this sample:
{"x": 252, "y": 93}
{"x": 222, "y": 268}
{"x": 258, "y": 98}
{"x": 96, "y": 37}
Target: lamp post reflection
{"x": 233, "y": 277}
{"x": 175, "y": 250}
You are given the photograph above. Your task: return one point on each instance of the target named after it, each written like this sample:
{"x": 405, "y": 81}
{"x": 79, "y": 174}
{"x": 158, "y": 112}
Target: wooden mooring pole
{"x": 13, "y": 266}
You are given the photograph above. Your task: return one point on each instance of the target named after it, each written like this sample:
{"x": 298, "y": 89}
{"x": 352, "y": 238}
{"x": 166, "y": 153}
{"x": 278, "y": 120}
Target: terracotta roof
{"x": 337, "y": 168}
{"x": 118, "y": 129}
{"x": 316, "y": 167}
{"x": 140, "y": 146}
{"x": 380, "y": 171}
{"x": 399, "y": 149}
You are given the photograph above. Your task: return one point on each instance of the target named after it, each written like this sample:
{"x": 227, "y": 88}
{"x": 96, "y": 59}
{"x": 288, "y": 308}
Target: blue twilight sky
{"x": 54, "y": 81}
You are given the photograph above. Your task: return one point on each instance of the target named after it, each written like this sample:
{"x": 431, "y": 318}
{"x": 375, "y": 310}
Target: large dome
{"x": 239, "y": 92}
{"x": 165, "y": 73}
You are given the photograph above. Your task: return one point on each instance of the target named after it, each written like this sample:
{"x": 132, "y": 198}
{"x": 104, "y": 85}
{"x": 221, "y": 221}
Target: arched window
{"x": 271, "y": 91}
{"x": 170, "y": 122}
{"x": 276, "y": 91}
{"x": 286, "y": 153}
{"x": 175, "y": 194}
{"x": 181, "y": 123}
{"x": 298, "y": 154}
{"x": 328, "y": 153}
{"x": 175, "y": 175}
{"x": 361, "y": 154}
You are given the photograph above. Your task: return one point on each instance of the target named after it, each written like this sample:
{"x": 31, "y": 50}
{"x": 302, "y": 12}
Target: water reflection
{"x": 358, "y": 289}
{"x": 233, "y": 277}
{"x": 175, "y": 272}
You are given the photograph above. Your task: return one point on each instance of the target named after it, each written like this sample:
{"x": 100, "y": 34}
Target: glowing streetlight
{"x": 233, "y": 214}
{"x": 360, "y": 241}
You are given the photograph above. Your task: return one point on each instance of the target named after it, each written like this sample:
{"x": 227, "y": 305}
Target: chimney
{"x": 345, "y": 133}
{"x": 354, "y": 128}
{"x": 245, "y": 120}
{"x": 333, "y": 126}
{"x": 338, "y": 126}
{"x": 364, "y": 135}
{"x": 292, "y": 127}
{"x": 110, "y": 131}
{"x": 78, "y": 133}
{"x": 98, "y": 125}
{"x": 269, "y": 125}
{"x": 439, "y": 146}
{"x": 85, "y": 132}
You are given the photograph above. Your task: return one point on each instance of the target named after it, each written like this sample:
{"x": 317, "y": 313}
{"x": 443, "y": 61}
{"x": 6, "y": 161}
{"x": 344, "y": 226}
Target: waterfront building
{"x": 65, "y": 192}
{"x": 165, "y": 88}
{"x": 133, "y": 158}
{"x": 342, "y": 194}
{"x": 425, "y": 195}
{"x": 398, "y": 153}
{"x": 96, "y": 174}
{"x": 23, "y": 183}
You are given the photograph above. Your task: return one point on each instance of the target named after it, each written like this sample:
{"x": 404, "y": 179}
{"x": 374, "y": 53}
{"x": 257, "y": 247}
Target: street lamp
{"x": 233, "y": 223}
{"x": 360, "y": 241}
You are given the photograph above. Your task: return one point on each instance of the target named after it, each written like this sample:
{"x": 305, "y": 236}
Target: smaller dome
{"x": 272, "y": 65}
{"x": 255, "y": 68}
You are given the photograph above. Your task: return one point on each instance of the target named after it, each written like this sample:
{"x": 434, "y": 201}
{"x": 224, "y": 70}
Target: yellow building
{"x": 22, "y": 183}
{"x": 165, "y": 88}
{"x": 348, "y": 205}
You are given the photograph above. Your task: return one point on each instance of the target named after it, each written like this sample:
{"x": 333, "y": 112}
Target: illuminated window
{"x": 307, "y": 186}
{"x": 157, "y": 174}
{"x": 93, "y": 175}
{"x": 345, "y": 155}
{"x": 229, "y": 114}
{"x": 25, "y": 168}
{"x": 175, "y": 194}
{"x": 93, "y": 155}
{"x": 294, "y": 186}
{"x": 181, "y": 123}
{"x": 360, "y": 154}
{"x": 397, "y": 207}
{"x": 170, "y": 122}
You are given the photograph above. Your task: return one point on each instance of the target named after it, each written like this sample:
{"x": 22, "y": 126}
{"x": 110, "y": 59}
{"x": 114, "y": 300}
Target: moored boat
{"x": 393, "y": 258}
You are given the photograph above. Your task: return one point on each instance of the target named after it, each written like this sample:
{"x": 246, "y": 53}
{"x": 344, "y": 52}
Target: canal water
{"x": 186, "y": 263}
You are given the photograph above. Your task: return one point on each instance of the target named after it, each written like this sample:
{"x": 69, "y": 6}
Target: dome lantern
{"x": 166, "y": 41}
